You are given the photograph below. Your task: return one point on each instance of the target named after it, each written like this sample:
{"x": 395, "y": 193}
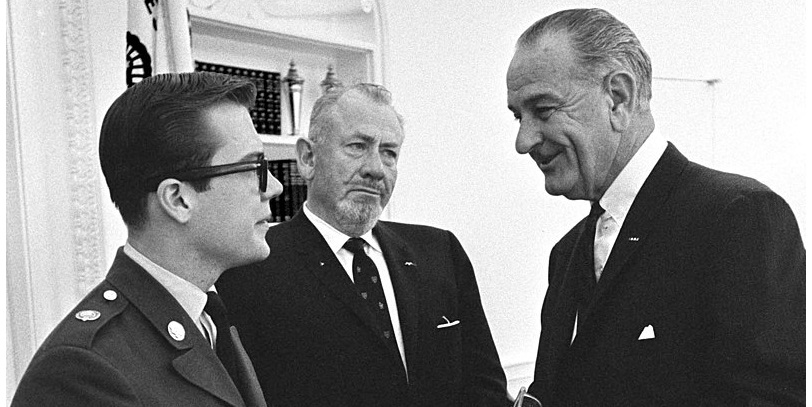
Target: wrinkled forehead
{"x": 357, "y": 114}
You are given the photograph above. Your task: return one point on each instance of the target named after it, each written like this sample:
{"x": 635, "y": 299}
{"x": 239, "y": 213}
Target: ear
{"x": 305, "y": 158}
{"x": 176, "y": 199}
{"x": 623, "y": 90}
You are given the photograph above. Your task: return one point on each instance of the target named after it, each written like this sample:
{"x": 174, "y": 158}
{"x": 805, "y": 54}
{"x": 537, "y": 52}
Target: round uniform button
{"x": 110, "y": 295}
{"x": 176, "y": 331}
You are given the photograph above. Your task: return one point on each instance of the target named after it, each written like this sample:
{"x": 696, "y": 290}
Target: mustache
{"x": 380, "y": 187}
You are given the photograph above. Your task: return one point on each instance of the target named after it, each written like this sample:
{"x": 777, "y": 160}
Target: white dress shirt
{"x": 188, "y": 295}
{"x": 619, "y": 197}
{"x": 336, "y": 239}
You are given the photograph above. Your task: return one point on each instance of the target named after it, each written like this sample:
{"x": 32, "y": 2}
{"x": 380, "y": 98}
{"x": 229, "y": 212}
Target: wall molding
{"x": 85, "y": 206}
{"x": 21, "y": 342}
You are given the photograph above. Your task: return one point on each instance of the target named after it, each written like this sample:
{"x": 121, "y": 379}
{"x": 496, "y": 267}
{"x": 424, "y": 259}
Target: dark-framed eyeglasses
{"x": 260, "y": 165}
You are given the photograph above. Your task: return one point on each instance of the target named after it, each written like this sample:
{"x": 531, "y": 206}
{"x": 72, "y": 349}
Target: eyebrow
{"x": 535, "y": 99}
{"x": 365, "y": 137}
{"x": 543, "y": 97}
{"x": 370, "y": 139}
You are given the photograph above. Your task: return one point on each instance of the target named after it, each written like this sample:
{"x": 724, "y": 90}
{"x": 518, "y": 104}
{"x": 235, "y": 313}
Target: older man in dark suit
{"x": 185, "y": 168}
{"x": 350, "y": 311}
{"x": 684, "y": 286}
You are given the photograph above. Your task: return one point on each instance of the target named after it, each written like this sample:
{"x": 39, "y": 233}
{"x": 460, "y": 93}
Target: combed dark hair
{"x": 155, "y": 128}
{"x": 601, "y": 43}
{"x": 322, "y": 117}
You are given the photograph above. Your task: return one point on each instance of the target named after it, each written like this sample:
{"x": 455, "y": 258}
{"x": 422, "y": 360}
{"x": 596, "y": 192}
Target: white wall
{"x": 64, "y": 67}
{"x": 446, "y": 66}
{"x": 445, "y": 63}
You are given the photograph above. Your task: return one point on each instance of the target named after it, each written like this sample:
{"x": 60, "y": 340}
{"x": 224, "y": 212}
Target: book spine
{"x": 267, "y": 111}
{"x": 288, "y": 202}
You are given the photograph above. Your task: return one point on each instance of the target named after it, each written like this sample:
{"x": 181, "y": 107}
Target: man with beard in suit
{"x": 353, "y": 311}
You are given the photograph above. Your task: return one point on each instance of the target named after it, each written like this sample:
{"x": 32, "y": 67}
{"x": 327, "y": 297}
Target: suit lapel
{"x": 641, "y": 219}
{"x": 195, "y": 361}
{"x": 404, "y": 273}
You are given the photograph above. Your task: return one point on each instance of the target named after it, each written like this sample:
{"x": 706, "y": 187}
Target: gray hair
{"x": 323, "y": 115}
{"x": 601, "y": 43}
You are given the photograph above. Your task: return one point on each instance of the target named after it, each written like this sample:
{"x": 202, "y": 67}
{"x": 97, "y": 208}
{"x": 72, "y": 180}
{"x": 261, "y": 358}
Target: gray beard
{"x": 357, "y": 218}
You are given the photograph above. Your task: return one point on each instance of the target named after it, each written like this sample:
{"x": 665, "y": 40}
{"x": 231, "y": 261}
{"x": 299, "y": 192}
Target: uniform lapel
{"x": 248, "y": 383}
{"x": 197, "y": 366}
{"x": 641, "y": 219}
{"x": 195, "y": 361}
{"x": 404, "y": 273}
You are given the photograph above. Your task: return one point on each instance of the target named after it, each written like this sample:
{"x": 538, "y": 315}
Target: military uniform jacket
{"x": 129, "y": 343}
{"x": 311, "y": 335}
{"x": 701, "y": 301}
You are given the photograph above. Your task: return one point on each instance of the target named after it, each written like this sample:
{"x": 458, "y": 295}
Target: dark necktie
{"x": 585, "y": 256}
{"x": 224, "y": 346}
{"x": 586, "y": 248}
{"x": 368, "y": 283}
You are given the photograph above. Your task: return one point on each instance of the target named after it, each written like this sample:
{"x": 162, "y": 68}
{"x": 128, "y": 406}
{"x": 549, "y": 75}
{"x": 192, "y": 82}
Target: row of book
{"x": 294, "y": 191}
{"x": 267, "y": 113}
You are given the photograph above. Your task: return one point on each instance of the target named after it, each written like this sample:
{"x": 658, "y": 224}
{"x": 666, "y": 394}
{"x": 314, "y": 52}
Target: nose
{"x": 529, "y": 135}
{"x": 373, "y": 166}
{"x": 273, "y": 189}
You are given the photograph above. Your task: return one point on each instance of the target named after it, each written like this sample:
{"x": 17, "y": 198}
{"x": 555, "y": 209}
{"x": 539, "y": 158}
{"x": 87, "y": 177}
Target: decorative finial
{"x": 294, "y": 84}
{"x": 293, "y": 77}
{"x": 330, "y": 80}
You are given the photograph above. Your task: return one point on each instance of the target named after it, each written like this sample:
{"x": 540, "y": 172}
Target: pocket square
{"x": 447, "y": 323}
{"x": 648, "y": 333}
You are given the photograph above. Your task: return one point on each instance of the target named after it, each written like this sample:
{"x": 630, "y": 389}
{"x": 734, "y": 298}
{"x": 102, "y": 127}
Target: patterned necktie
{"x": 224, "y": 346}
{"x": 368, "y": 283}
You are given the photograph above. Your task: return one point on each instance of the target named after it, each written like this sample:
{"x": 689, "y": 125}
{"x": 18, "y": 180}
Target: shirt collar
{"x": 618, "y": 198}
{"x": 334, "y": 237}
{"x": 188, "y": 295}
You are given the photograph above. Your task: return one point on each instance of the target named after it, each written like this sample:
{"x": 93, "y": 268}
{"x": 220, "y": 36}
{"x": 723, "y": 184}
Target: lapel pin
{"x": 321, "y": 263}
{"x": 176, "y": 331}
{"x": 110, "y": 295}
{"x": 88, "y": 315}
{"x": 408, "y": 263}
{"x": 634, "y": 239}
{"x": 447, "y": 323}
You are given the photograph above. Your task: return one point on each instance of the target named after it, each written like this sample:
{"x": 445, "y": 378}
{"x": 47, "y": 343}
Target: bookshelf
{"x": 247, "y": 34}
{"x": 265, "y": 36}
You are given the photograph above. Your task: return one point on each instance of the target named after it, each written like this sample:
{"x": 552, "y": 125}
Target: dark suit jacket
{"x": 714, "y": 262}
{"x": 311, "y": 337}
{"x": 127, "y": 356}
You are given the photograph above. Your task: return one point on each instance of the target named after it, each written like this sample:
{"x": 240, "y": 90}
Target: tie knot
{"x": 355, "y": 245}
{"x": 596, "y": 210}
